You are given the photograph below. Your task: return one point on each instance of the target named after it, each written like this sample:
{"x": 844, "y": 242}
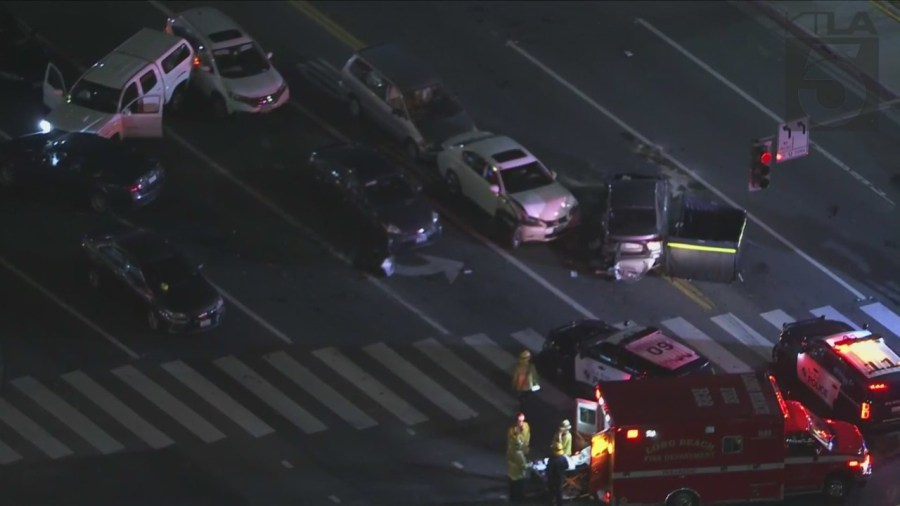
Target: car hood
{"x": 409, "y": 216}
{"x": 548, "y": 203}
{"x": 847, "y": 437}
{"x": 75, "y": 118}
{"x": 437, "y": 130}
{"x": 260, "y": 85}
{"x": 191, "y": 296}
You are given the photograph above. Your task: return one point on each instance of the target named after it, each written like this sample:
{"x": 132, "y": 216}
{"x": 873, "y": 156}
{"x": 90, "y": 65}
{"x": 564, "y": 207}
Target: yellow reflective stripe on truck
{"x": 697, "y": 247}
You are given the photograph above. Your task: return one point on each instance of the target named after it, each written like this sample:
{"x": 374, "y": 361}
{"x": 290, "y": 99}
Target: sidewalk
{"x": 836, "y": 29}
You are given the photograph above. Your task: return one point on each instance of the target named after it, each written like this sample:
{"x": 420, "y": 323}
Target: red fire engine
{"x": 711, "y": 439}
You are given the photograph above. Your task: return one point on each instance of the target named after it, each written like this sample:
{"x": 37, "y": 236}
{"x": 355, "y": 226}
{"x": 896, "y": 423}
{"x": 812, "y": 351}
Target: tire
{"x": 218, "y": 107}
{"x": 354, "y": 108}
{"x": 153, "y": 320}
{"x": 836, "y": 487}
{"x": 453, "y": 186}
{"x": 176, "y": 103}
{"x": 683, "y": 498}
{"x": 7, "y": 177}
{"x": 99, "y": 202}
{"x": 116, "y": 138}
{"x": 94, "y": 279}
{"x": 412, "y": 150}
{"x": 515, "y": 238}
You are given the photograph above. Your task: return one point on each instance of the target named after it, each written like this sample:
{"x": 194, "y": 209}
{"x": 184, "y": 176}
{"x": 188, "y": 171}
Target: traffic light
{"x": 760, "y": 164}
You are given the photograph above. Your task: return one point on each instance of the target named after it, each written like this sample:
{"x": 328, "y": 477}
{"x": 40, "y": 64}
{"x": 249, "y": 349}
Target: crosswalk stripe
{"x": 423, "y": 384}
{"x": 744, "y": 333}
{"x": 884, "y": 316}
{"x": 370, "y": 386}
{"x": 701, "y": 342}
{"x": 217, "y": 398}
{"x": 118, "y": 410}
{"x": 168, "y": 403}
{"x": 530, "y": 339}
{"x": 465, "y": 373}
{"x": 31, "y": 431}
{"x": 7, "y": 454}
{"x": 274, "y": 398}
{"x": 305, "y": 379}
{"x": 831, "y": 313}
{"x": 777, "y": 318}
{"x": 67, "y": 414}
{"x": 507, "y": 362}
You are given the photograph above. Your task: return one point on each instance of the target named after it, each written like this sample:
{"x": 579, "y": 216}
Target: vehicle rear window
{"x": 225, "y": 35}
{"x": 510, "y": 155}
{"x": 170, "y": 270}
{"x": 525, "y": 177}
{"x": 175, "y": 59}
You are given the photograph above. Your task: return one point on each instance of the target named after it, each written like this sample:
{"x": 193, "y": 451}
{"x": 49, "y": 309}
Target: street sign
{"x": 793, "y": 140}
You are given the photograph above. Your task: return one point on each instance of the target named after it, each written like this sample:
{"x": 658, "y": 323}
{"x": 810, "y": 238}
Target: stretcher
{"x": 577, "y": 476}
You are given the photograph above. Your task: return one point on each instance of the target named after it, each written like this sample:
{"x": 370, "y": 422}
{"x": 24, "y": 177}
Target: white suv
{"x": 231, "y": 68}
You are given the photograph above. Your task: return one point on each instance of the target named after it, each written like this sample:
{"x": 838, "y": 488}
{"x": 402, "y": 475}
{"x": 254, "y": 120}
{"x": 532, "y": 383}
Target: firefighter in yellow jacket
{"x": 517, "y": 466}
{"x": 524, "y": 379}
{"x": 563, "y": 437}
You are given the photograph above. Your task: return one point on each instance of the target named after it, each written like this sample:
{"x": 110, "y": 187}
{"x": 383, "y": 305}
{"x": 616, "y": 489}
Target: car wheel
{"x": 153, "y": 320}
{"x": 94, "y": 278}
{"x": 683, "y": 498}
{"x": 515, "y": 237}
{"x": 99, "y": 202}
{"x": 6, "y": 175}
{"x": 453, "y": 185}
{"x": 412, "y": 150}
{"x": 355, "y": 109}
{"x": 218, "y": 107}
{"x": 836, "y": 487}
{"x": 176, "y": 103}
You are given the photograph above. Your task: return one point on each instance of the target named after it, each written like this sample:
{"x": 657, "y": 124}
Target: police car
{"x": 853, "y": 372}
{"x": 584, "y": 352}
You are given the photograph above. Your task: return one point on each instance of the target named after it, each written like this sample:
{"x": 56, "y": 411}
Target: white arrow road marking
{"x": 435, "y": 265}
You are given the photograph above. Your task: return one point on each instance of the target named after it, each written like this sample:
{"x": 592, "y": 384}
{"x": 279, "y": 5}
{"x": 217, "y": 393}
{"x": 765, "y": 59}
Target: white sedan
{"x": 510, "y": 184}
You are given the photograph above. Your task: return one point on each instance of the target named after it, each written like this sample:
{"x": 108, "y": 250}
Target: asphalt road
{"x": 294, "y": 288}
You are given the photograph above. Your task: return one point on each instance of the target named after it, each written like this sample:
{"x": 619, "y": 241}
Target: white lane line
{"x": 169, "y": 404}
{"x": 467, "y": 375}
{"x": 67, "y": 414}
{"x": 370, "y": 386}
{"x": 884, "y": 316}
{"x": 506, "y": 362}
{"x": 30, "y": 430}
{"x": 422, "y": 383}
{"x": 531, "y": 339}
{"x": 831, "y": 313}
{"x": 745, "y": 334}
{"x": 259, "y": 319}
{"x": 69, "y": 309}
{"x": 214, "y": 395}
{"x": 274, "y": 398}
{"x": 777, "y": 318}
{"x": 625, "y": 126}
{"x": 701, "y": 342}
{"x": 117, "y": 409}
{"x": 7, "y": 454}
{"x": 162, "y": 8}
{"x": 765, "y": 110}
{"x": 323, "y": 392}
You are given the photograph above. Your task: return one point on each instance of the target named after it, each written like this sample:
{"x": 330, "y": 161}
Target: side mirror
{"x": 495, "y": 189}
{"x": 269, "y": 55}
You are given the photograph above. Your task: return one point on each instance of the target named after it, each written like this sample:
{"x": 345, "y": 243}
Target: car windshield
{"x": 388, "y": 190}
{"x": 525, "y": 177}
{"x": 820, "y": 430}
{"x": 95, "y": 96}
{"x": 431, "y": 102}
{"x": 241, "y": 60}
{"x": 171, "y": 270}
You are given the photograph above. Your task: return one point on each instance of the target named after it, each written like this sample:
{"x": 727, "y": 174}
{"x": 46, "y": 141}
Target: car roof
{"x": 148, "y": 44}
{"x": 634, "y": 193}
{"x": 815, "y": 327}
{"x": 115, "y": 70}
{"x": 492, "y": 148}
{"x": 367, "y": 163}
{"x": 147, "y": 247}
{"x": 401, "y": 67}
{"x": 208, "y": 22}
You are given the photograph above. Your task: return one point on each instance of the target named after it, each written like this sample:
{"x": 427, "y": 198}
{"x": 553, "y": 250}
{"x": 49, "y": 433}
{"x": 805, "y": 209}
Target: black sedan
{"x": 584, "y": 352}
{"x": 147, "y": 269}
{"x": 90, "y": 168}
{"x": 376, "y": 189}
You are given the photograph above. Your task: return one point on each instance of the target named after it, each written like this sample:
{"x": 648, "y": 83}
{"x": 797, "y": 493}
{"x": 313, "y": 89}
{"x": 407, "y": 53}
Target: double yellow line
{"x": 887, "y": 9}
{"x": 307, "y": 9}
{"x": 691, "y": 292}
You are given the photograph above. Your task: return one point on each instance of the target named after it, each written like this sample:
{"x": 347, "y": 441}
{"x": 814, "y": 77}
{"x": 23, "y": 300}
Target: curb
{"x": 808, "y": 38}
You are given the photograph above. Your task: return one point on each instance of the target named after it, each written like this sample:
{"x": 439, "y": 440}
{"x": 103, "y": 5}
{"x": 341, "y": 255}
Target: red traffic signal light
{"x": 766, "y": 158}
{"x": 760, "y": 164}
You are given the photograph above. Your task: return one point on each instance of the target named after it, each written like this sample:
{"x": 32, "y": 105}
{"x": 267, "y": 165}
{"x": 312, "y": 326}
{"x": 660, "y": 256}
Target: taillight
{"x": 597, "y": 393}
{"x": 876, "y": 387}
{"x": 853, "y": 463}
{"x": 865, "y": 410}
{"x": 136, "y": 187}
{"x": 607, "y": 497}
{"x": 196, "y": 62}
{"x": 632, "y": 434}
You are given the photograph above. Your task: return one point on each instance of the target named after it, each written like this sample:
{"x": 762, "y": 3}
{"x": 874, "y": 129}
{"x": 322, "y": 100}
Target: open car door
{"x": 706, "y": 242}
{"x": 143, "y": 117}
{"x": 54, "y": 87}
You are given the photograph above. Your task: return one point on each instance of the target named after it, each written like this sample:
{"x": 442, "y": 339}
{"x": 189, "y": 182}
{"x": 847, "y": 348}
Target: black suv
{"x": 853, "y": 373}
{"x": 88, "y": 167}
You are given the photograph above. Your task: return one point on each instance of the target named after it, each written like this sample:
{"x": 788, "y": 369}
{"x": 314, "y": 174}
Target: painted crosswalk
{"x": 314, "y": 392}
